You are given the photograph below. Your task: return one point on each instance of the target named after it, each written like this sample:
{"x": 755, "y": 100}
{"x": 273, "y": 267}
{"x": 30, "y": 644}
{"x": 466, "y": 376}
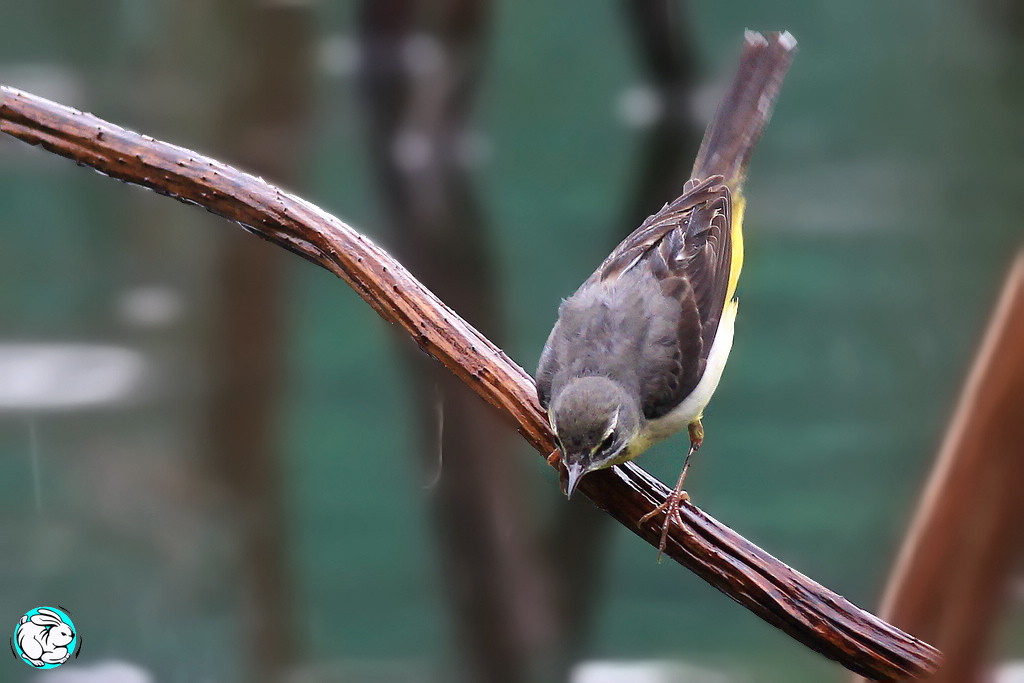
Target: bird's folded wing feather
{"x": 687, "y": 248}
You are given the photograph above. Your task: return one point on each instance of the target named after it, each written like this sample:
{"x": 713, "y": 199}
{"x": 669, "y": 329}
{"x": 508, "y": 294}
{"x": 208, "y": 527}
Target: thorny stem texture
{"x": 801, "y": 607}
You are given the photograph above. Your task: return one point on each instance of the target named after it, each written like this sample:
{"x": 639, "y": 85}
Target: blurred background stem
{"x": 421, "y": 63}
{"x": 580, "y": 533}
{"x": 264, "y": 123}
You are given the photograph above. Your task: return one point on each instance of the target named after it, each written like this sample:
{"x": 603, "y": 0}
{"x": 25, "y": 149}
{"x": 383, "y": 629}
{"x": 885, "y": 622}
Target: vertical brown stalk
{"x": 264, "y": 114}
{"x": 420, "y": 68}
{"x": 953, "y": 574}
{"x": 580, "y": 533}
{"x": 662, "y": 37}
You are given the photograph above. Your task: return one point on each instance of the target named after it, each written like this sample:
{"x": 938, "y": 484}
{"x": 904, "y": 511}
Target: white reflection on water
{"x": 641, "y": 671}
{"x": 111, "y": 671}
{"x": 45, "y": 376}
{"x": 151, "y": 306}
{"x": 1010, "y": 672}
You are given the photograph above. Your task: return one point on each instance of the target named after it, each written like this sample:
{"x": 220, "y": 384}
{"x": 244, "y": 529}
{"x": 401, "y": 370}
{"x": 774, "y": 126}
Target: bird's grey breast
{"x": 621, "y": 329}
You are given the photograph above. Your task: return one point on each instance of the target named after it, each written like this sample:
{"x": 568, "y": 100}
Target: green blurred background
{"x": 884, "y": 205}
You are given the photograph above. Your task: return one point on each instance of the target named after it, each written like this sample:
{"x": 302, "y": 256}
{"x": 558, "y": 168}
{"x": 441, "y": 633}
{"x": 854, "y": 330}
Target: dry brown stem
{"x": 804, "y": 609}
{"x": 954, "y": 570}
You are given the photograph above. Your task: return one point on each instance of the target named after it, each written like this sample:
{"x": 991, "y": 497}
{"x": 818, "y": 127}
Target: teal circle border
{"x": 65, "y": 617}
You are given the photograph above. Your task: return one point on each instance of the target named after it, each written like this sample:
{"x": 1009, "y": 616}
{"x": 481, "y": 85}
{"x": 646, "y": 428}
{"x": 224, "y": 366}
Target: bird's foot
{"x": 671, "y": 505}
{"x": 670, "y": 508}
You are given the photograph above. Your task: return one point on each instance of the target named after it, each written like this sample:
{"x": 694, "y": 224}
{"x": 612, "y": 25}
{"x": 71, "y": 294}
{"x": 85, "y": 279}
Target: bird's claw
{"x": 671, "y": 510}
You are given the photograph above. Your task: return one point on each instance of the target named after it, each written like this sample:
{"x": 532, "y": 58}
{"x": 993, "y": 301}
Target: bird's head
{"x": 594, "y": 420}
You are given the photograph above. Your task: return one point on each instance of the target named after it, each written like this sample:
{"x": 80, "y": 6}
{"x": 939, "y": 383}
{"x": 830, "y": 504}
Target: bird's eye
{"x": 608, "y": 441}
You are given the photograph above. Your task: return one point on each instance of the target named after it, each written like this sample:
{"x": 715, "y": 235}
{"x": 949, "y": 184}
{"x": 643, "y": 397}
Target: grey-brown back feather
{"x": 646, "y": 318}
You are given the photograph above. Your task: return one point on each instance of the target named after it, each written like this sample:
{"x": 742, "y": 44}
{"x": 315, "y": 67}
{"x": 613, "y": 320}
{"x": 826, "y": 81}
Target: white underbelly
{"x": 693, "y": 405}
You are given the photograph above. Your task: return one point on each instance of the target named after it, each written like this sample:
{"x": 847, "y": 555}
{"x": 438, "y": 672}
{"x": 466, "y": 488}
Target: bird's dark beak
{"x": 575, "y": 472}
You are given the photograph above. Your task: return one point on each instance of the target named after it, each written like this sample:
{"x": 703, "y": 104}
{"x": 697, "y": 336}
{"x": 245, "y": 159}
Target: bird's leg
{"x": 696, "y": 430}
{"x": 671, "y": 505}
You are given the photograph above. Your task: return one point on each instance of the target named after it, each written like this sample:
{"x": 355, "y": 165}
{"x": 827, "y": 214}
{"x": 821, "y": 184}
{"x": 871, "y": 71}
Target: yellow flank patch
{"x": 739, "y": 204}
{"x": 632, "y": 450}
{"x": 640, "y": 443}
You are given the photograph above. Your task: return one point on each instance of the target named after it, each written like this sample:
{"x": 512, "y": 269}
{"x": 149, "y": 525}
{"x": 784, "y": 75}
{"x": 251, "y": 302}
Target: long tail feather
{"x": 746, "y": 107}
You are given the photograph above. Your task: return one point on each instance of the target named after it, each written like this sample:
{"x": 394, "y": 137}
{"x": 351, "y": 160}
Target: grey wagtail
{"x": 639, "y": 348}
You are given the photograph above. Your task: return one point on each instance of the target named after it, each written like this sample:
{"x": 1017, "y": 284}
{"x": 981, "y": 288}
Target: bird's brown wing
{"x": 687, "y": 248}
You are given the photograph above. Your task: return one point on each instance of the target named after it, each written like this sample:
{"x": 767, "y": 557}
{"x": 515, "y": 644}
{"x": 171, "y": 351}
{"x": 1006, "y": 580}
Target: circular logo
{"x": 45, "y": 638}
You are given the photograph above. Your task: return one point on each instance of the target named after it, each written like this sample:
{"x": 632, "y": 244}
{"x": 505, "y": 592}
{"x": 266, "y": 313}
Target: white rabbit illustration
{"x": 43, "y": 638}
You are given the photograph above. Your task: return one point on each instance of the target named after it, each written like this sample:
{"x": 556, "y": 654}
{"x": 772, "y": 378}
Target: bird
{"x": 638, "y": 350}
